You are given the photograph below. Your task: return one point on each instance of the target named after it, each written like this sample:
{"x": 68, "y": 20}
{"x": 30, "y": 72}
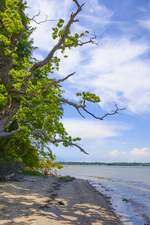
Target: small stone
{"x": 61, "y": 203}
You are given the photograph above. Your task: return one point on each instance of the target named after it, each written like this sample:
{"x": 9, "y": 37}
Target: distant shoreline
{"x": 106, "y": 164}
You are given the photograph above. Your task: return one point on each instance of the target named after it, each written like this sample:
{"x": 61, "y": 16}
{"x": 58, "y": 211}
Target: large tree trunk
{"x": 6, "y": 116}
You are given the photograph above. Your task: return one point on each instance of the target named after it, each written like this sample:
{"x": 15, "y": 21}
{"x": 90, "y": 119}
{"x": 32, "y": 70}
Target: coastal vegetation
{"x": 31, "y": 96}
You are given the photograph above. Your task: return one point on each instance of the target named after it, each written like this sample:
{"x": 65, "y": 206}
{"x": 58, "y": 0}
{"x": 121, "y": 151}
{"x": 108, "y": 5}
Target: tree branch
{"x": 40, "y": 133}
{"x": 70, "y": 144}
{"x": 61, "y": 40}
{"x": 42, "y": 21}
{"x": 90, "y": 41}
{"x": 77, "y": 3}
{"x": 65, "y": 78}
{"x": 77, "y": 106}
{"x": 80, "y": 148}
{"x": 82, "y": 106}
{"x": 55, "y": 48}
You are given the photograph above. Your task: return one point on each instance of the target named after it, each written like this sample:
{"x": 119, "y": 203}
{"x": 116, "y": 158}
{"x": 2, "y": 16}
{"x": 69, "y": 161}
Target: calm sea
{"x": 133, "y": 173}
{"x": 127, "y": 186}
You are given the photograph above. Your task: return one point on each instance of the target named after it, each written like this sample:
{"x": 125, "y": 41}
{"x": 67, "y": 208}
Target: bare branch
{"x": 42, "y": 21}
{"x": 90, "y": 41}
{"x": 52, "y": 82}
{"x": 36, "y": 15}
{"x": 73, "y": 104}
{"x": 82, "y": 106}
{"x": 65, "y": 78}
{"x": 80, "y": 148}
{"x": 113, "y": 112}
{"x": 70, "y": 144}
{"x": 77, "y": 3}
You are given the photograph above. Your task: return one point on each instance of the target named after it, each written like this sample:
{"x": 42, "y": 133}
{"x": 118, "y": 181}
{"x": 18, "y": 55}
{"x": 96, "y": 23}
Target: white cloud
{"x": 71, "y": 63}
{"x": 114, "y": 70}
{"x": 133, "y": 155}
{"x": 52, "y": 10}
{"x": 145, "y": 24}
{"x": 91, "y": 129}
{"x": 97, "y": 138}
{"x": 93, "y": 12}
{"x": 117, "y": 72}
{"x": 116, "y": 153}
{"x": 141, "y": 153}
{"x": 113, "y": 53}
{"x": 96, "y": 14}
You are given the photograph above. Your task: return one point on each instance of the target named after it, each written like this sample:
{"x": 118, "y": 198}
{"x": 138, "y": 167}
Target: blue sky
{"x": 117, "y": 69}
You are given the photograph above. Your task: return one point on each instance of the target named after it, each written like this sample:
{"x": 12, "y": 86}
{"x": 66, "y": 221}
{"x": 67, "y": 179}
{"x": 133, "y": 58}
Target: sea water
{"x": 127, "y": 186}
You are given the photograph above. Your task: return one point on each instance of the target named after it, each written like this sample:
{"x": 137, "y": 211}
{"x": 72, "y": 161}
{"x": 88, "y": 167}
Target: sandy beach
{"x": 54, "y": 201}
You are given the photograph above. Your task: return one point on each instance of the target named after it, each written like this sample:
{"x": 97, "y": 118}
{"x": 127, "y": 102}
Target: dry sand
{"x": 49, "y": 201}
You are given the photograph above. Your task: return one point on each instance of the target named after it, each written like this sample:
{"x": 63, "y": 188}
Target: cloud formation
{"x": 92, "y": 129}
{"x": 116, "y": 69}
{"x": 145, "y": 24}
{"x": 118, "y": 73}
{"x": 133, "y": 155}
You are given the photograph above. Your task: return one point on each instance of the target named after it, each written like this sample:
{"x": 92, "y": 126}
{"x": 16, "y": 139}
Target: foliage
{"x": 31, "y": 172}
{"x": 31, "y": 101}
{"x": 88, "y": 96}
{"x": 19, "y": 149}
{"x": 50, "y": 164}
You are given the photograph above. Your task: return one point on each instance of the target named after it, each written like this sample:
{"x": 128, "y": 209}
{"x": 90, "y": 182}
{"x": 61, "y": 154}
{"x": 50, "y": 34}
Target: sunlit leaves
{"x": 88, "y": 96}
{"x": 39, "y": 115}
{"x": 3, "y": 96}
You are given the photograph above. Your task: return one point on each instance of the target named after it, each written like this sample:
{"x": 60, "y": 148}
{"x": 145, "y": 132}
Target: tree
{"x": 31, "y": 101}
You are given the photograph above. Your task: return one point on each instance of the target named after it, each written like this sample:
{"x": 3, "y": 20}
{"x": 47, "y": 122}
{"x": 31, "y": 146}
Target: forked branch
{"x": 60, "y": 41}
{"x": 90, "y": 41}
{"x": 40, "y": 22}
{"x": 82, "y": 107}
{"x": 58, "y": 45}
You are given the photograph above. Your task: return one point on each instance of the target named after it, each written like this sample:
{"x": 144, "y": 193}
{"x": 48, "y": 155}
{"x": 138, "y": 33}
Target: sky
{"x": 117, "y": 69}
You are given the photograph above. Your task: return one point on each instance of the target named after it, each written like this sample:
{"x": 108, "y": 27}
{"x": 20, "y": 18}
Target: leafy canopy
{"x": 31, "y": 101}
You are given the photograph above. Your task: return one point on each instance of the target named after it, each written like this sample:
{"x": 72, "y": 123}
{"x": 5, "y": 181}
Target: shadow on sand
{"x": 40, "y": 200}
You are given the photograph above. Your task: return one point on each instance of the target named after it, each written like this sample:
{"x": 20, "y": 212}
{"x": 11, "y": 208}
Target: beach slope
{"x": 53, "y": 201}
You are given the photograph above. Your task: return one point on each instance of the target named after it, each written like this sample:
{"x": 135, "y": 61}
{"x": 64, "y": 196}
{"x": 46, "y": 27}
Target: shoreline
{"x": 130, "y": 200}
{"x": 51, "y": 200}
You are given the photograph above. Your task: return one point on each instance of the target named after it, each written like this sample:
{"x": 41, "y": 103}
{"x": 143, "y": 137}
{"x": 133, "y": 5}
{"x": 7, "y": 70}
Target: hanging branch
{"x": 65, "y": 78}
{"x": 82, "y": 106}
{"x": 40, "y": 133}
{"x": 56, "y": 141}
